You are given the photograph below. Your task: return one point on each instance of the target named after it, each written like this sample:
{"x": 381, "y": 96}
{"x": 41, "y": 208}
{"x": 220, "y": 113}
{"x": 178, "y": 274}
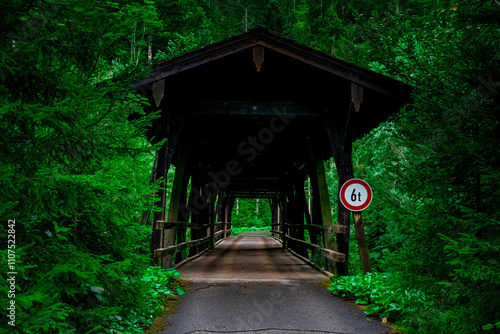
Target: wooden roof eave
{"x": 199, "y": 57}
{"x": 259, "y": 36}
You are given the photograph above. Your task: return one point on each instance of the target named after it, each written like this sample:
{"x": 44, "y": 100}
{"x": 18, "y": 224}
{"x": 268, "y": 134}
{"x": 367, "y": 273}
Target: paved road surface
{"x": 248, "y": 284}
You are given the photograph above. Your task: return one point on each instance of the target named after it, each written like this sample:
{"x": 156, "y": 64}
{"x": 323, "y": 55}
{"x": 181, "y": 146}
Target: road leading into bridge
{"x": 249, "y": 284}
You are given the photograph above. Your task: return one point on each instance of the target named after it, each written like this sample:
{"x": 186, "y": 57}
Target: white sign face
{"x": 356, "y": 195}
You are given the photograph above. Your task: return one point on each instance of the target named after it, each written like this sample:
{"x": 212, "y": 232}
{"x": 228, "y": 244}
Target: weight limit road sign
{"x": 356, "y": 195}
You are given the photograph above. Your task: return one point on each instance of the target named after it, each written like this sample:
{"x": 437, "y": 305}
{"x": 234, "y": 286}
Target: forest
{"x": 75, "y": 162}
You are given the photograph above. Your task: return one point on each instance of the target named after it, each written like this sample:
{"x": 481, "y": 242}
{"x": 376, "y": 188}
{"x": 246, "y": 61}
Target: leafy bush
{"x": 156, "y": 285}
{"x": 381, "y": 293}
{"x": 441, "y": 308}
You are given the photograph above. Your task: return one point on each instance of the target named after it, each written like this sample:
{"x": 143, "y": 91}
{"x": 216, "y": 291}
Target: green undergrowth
{"x": 160, "y": 285}
{"x": 415, "y": 310}
{"x": 380, "y": 294}
{"x": 237, "y": 230}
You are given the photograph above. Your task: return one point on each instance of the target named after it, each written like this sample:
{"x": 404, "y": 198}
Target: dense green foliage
{"x": 75, "y": 164}
{"x": 251, "y": 212}
{"x": 383, "y": 296}
{"x": 238, "y": 230}
{"x": 433, "y": 224}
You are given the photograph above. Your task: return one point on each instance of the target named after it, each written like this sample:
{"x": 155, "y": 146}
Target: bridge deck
{"x": 249, "y": 285}
{"x": 249, "y": 257}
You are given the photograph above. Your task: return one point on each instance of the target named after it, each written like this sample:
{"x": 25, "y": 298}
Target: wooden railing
{"x": 286, "y": 239}
{"x": 214, "y": 233}
{"x": 211, "y": 234}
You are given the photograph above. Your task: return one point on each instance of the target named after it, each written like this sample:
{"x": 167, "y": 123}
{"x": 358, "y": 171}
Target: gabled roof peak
{"x": 260, "y": 36}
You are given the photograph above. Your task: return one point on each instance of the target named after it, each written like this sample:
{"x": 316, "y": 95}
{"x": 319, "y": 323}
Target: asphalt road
{"x": 248, "y": 284}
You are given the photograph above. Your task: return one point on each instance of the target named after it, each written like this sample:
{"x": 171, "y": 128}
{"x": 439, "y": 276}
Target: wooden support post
{"x": 202, "y": 206}
{"x": 204, "y": 216}
{"x": 326, "y": 214}
{"x": 226, "y": 214}
{"x": 345, "y": 173}
{"x": 196, "y": 233}
{"x": 317, "y": 216}
{"x": 219, "y": 206}
{"x": 230, "y": 214}
{"x": 282, "y": 217}
{"x": 289, "y": 217}
{"x": 144, "y": 218}
{"x": 223, "y": 211}
{"x": 313, "y": 234}
{"x": 342, "y": 153}
{"x": 175, "y": 200}
{"x": 289, "y": 209}
{"x": 161, "y": 170}
{"x": 163, "y": 160}
{"x": 306, "y": 211}
{"x": 278, "y": 219}
{"x": 272, "y": 205}
{"x": 182, "y": 231}
{"x": 211, "y": 219}
{"x": 301, "y": 207}
{"x": 363, "y": 247}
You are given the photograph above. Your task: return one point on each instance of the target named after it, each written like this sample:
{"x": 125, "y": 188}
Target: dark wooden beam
{"x": 282, "y": 216}
{"x": 314, "y": 234}
{"x": 301, "y": 207}
{"x": 180, "y": 182}
{"x": 230, "y": 207}
{"x": 196, "y": 233}
{"x": 182, "y": 230}
{"x": 342, "y": 153}
{"x": 226, "y": 213}
{"x": 164, "y": 156}
{"x": 246, "y": 108}
{"x": 220, "y": 206}
{"x": 323, "y": 201}
{"x": 211, "y": 218}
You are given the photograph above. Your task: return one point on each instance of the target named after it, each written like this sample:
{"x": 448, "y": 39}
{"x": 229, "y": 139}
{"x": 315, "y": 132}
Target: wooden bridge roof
{"x": 229, "y": 92}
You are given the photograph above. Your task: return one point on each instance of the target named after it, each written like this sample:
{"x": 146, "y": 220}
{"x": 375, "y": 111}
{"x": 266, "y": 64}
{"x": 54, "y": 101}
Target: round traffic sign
{"x": 356, "y": 195}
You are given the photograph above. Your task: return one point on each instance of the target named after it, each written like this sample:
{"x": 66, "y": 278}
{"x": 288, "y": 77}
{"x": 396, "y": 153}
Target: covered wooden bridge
{"x": 254, "y": 116}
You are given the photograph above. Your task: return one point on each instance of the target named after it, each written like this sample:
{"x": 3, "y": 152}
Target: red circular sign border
{"x": 359, "y": 207}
